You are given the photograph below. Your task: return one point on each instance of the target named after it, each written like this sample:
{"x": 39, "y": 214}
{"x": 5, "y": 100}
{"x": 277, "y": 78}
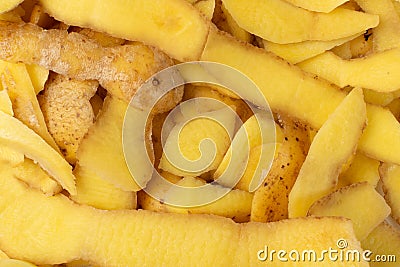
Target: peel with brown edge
{"x": 270, "y": 202}
{"x": 319, "y": 173}
{"x": 356, "y": 202}
{"x": 390, "y": 177}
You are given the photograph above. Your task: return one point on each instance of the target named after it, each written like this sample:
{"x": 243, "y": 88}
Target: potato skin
{"x": 68, "y": 113}
{"x": 270, "y": 202}
{"x": 121, "y": 70}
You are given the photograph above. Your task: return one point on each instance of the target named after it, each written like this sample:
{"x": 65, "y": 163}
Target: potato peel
{"x": 16, "y": 135}
{"x": 270, "y": 202}
{"x": 319, "y": 173}
{"x": 173, "y": 25}
{"x": 278, "y": 21}
{"x": 120, "y": 70}
{"x": 67, "y": 111}
{"x": 286, "y": 86}
{"x": 378, "y": 71}
{"x": 64, "y": 231}
{"x": 16, "y": 80}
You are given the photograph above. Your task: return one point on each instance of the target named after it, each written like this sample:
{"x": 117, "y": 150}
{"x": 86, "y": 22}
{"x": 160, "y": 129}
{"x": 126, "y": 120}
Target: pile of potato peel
{"x": 329, "y": 72}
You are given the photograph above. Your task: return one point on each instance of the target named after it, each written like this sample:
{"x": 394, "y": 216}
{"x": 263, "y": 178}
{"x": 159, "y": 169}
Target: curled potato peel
{"x": 120, "y": 70}
{"x": 300, "y": 87}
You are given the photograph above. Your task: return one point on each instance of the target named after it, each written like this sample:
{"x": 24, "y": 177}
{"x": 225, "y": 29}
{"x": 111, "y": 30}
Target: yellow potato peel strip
{"x": 325, "y": 6}
{"x": 122, "y": 238}
{"x": 387, "y": 33}
{"x": 280, "y": 22}
{"x": 319, "y": 173}
{"x": 379, "y": 72}
{"x": 284, "y": 87}
{"x": 308, "y": 98}
{"x": 173, "y": 25}
{"x": 297, "y": 52}
{"x": 15, "y": 79}
{"x": 16, "y": 135}
{"x": 390, "y": 177}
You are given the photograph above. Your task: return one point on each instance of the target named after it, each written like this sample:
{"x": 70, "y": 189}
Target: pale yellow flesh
{"x": 283, "y": 23}
{"x": 356, "y": 202}
{"x": 382, "y": 123}
{"x": 3, "y": 255}
{"x": 206, "y": 7}
{"x": 319, "y": 173}
{"x": 343, "y": 51}
{"x": 103, "y": 143}
{"x": 38, "y": 76}
{"x": 64, "y": 231}
{"x": 7, "y": 5}
{"x": 317, "y": 5}
{"x": 378, "y": 71}
{"x": 174, "y": 26}
{"x": 99, "y": 193}
{"x": 10, "y": 156}
{"x": 362, "y": 169}
{"x": 5, "y": 103}
{"x": 234, "y": 28}
{"x": 256, "y": 135}
{"x": 189, "y": 138}
{"x": 297, "y": 52}
{"x": 236, "y": 204}
{"x": 35, "y": 177}
{"x": 241, "y": 107}
{"x": 390, "y": 175}
{"x": 396, "y": 6}
{"x": 285, "y": 86}
{"x": 17, "y": 136}
{"x": 15, "y": 263}
{"x": 378, "y": 98}
{"x": 224, "y": 21}
{"x": 16, "y": 80}
{"x": 384, "y": 241}
{"x": 387, "y": 33}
